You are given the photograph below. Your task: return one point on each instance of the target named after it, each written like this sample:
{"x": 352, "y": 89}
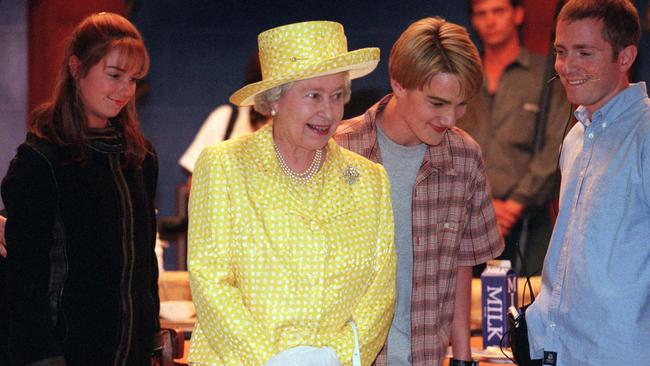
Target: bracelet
{"x": 455, "y": 362}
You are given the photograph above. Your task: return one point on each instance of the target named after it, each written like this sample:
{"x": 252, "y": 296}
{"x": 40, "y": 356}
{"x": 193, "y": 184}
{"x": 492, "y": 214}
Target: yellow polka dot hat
{"x": 303, "y": 51}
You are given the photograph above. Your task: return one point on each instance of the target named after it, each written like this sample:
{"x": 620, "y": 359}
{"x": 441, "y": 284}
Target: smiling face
{"x": 308, "y": 113}
{"x": 585, "y": 62}
{"x": 496, "y": 21}
{"x": 106, "y": 88}
{"x": 427, "y": 113}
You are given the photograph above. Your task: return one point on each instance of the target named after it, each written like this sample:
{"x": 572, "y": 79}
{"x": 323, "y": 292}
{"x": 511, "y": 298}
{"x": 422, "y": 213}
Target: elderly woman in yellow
{"x": 291, "y": 254}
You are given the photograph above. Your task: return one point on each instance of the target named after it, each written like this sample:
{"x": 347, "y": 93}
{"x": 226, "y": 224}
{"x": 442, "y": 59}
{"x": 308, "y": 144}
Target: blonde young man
{"x": 444, "y": 219}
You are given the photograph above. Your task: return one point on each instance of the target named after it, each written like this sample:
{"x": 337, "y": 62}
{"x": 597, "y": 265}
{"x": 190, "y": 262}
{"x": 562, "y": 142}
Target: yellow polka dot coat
{"x": 276, "y": 264}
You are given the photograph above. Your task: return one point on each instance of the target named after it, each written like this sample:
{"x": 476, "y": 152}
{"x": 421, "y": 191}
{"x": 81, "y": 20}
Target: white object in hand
{"x": 305, "y": 356}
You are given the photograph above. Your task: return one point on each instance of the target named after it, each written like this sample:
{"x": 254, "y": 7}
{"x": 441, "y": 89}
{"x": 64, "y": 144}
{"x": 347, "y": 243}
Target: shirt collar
{"x": 369, "y": 129}
{"x": 438, "y": 158}
{"x": 582, "y": 115}
{"x": 615, "y": 106}
{"x": 523, "y": 59}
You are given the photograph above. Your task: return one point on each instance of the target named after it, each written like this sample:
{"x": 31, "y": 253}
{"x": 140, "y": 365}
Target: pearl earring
{"x": 273, "y": 112}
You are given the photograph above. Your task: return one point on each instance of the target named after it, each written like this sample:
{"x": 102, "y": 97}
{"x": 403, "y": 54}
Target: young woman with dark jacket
{"x": 81, "y": 270}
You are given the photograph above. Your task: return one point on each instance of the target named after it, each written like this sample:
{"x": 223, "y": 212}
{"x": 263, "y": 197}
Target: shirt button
{"x": 591, "y": 135}
{"x": 557, "y": 288}
{"x": 604, "y": 124}
{"x": 553, "y": 325}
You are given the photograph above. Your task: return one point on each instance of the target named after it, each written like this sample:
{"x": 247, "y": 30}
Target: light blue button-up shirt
{"x": 594, "y": 305}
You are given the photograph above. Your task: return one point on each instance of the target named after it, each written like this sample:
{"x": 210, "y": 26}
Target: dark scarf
{"x": 105, "y": 140}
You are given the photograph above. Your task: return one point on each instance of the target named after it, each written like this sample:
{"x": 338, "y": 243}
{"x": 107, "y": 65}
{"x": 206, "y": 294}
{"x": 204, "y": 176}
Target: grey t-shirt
{"x": 402, "y": 164}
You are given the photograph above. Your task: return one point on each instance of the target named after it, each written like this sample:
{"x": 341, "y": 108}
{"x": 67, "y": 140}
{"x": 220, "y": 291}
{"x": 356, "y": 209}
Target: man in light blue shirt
{"x": 594, "y": 305}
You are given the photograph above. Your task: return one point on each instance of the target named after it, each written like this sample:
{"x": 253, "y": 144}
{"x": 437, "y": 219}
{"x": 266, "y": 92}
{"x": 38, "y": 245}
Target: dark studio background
{"x": 199, "y": 50}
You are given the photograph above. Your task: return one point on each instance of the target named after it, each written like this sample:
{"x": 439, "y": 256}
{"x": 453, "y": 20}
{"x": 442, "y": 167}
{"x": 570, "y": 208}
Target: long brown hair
{"x": 62, "y": 120}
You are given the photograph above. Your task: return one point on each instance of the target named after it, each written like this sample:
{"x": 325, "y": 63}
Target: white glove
{"x": 305, "y": 356}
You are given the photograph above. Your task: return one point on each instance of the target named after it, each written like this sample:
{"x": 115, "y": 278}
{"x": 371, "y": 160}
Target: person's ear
{"x": 74, "y": 65}
{"x": 274, "y": 108}
{"x": 626, "y": 57}
{"x": 398, "y": 90}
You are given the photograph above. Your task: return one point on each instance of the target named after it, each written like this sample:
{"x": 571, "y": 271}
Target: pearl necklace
{"x": 302, "y": 177}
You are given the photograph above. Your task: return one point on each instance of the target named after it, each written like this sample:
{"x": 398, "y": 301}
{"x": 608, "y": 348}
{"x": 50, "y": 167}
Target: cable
{"x": 528, "y": 285}
{"x": 501, "y": 346}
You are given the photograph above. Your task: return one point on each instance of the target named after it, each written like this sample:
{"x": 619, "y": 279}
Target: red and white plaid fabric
{"x": 453, "y": 225}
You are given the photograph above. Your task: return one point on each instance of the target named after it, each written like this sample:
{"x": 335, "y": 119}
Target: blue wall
{"x": 199, "y": 49}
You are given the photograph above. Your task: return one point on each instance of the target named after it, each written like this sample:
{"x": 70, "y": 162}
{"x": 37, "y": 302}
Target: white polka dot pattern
{"x": 293, "y": 47}
{"x": 275, "y": 264}
{"x": 302, "y": 51}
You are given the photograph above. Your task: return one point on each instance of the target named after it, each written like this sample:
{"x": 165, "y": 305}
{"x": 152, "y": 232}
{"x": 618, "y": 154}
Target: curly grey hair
{"x": 265, "y": 99}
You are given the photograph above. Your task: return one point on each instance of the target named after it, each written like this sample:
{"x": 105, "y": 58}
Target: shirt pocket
{"x": 522, "y": 132}
{"x": 448, "y": 243}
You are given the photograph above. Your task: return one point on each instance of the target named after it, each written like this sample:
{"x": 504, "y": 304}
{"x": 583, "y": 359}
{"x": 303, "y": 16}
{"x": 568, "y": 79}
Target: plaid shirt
{"x": 453, "y": 225}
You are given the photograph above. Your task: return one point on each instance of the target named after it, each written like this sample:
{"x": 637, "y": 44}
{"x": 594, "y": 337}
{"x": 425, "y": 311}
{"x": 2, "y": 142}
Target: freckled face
{"x": 106, "y": 88}
{"x": 429, "y": 112}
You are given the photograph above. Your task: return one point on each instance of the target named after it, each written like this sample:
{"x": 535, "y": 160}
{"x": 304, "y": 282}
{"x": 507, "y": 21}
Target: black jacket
{"x": 81, "y": 270}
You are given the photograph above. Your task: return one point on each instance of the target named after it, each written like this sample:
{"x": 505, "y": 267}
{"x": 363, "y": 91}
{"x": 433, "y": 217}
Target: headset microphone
{"x": 553, "y": 78}
{"x": 588, "y": 77}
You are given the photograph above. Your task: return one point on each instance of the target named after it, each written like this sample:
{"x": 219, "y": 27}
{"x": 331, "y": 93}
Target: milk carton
{"x": 498, "y": 293}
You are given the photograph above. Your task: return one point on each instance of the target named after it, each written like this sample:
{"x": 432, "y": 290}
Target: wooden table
{"x": 476, "y": 342}
{"x": 183, "y": 361}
